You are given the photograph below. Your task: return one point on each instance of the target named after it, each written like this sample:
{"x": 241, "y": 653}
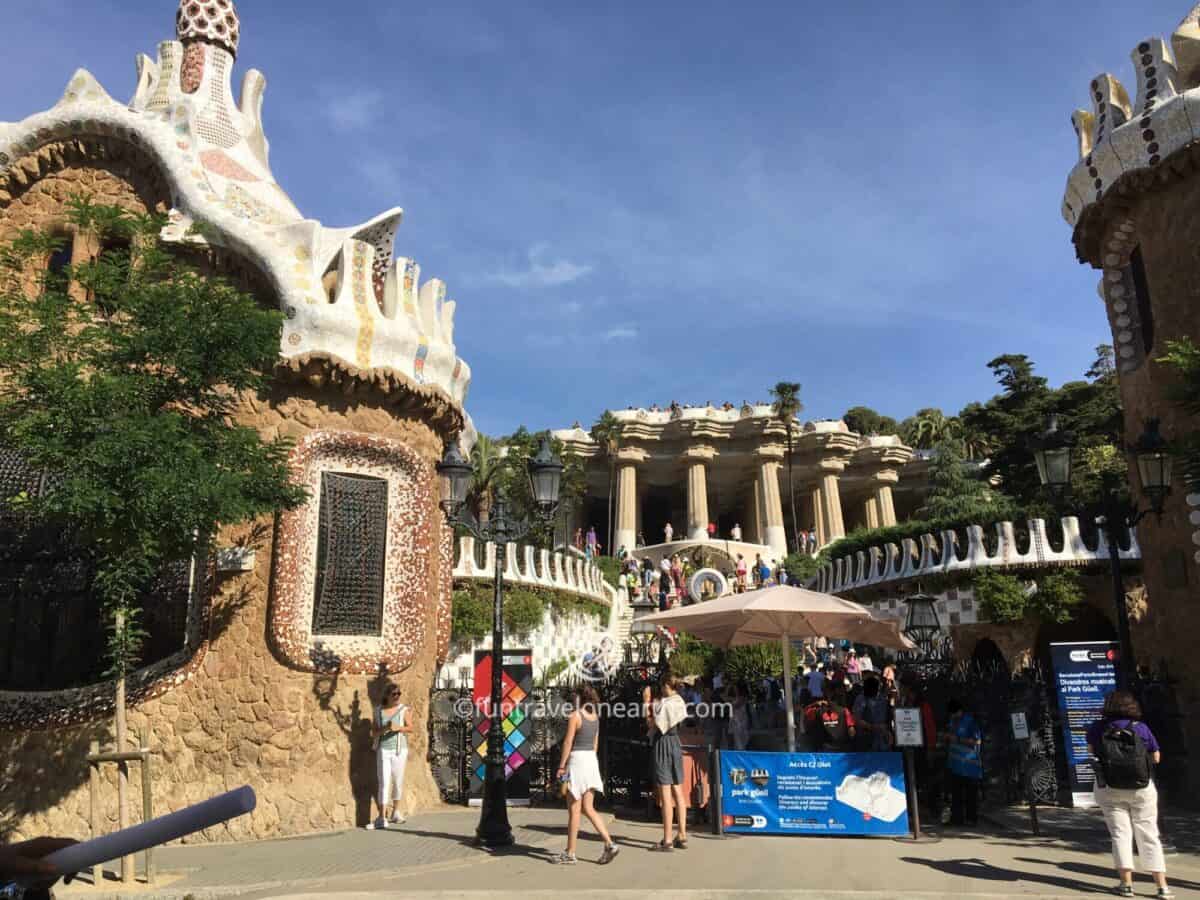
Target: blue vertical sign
{"x": 813, "y": 793}
{"x": 1084, "y": 675}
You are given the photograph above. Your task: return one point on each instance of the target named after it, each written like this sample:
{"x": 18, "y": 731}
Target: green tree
{"x": 957, "y": 492}
{"x": 512, "y": 481}
{"x": 1008, "y": 421}
{"x": 1184, "y": 357}
{"x": 931, "y": 427}
{"x": 487, "y": 460}
{"x": 786, "y": 405}
{"x": 1001, "y": 598}
{"x": 607, "y": 433}
{"x": 866, "y": 421}
{"x": 129, "y": 397}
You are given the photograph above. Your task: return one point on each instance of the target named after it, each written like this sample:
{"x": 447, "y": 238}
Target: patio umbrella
{"x": 781, "y": 613}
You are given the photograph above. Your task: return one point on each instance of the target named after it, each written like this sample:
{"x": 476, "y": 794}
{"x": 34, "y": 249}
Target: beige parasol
{"x": 781, "y": 613}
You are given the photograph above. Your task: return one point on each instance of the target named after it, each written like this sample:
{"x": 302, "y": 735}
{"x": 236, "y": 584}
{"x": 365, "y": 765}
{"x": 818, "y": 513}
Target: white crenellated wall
{"x": 559, "y": 637}
{"x": 536, "y": 568}
{"x": 930, "y": 556}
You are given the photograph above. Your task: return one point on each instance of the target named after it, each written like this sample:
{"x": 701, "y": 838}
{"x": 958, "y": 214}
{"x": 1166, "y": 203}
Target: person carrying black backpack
{"x": 829, "y": 724}
{"x": 1124, "y": 752}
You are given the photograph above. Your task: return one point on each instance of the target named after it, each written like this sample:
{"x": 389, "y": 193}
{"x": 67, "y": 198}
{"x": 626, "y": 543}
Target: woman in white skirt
{"x": 390, "y": 732}
{"x": 579, "y": 769}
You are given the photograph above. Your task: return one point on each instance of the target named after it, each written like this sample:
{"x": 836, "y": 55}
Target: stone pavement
{"x": 432, "y": 857}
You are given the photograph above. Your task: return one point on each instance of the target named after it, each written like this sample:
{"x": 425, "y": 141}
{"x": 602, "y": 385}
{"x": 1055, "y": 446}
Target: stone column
{"x": 625, "y": 532}
{"x": 697, "y": 498}
{"x": 871, "y": 511}
{"x": 773, "y": 534}
{"x": 753, "y": 528}
{"x": 831, "y": 505}
{"x": 818, "y": 515}
{"x": 883, "y": 501}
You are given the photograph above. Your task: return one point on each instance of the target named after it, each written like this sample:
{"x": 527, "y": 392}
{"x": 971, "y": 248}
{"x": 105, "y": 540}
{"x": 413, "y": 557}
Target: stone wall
{"x": 1162, "y": 222}
{"x": 233, "y": 712}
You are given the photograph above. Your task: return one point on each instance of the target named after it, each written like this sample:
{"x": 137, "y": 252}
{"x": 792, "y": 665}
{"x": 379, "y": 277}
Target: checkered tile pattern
{"x": 956, "y": 606}
{"x": 568, "y": 638}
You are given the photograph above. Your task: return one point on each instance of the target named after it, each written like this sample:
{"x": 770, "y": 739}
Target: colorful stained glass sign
{"x": 516, "y": 681}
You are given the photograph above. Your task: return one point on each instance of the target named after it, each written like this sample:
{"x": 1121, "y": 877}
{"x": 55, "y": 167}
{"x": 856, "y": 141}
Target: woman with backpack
{"x": 1124, "y": 751}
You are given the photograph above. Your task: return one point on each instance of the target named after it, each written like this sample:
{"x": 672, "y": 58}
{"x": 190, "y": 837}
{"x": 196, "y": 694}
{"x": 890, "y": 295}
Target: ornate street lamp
{"x": 502, "y": 528}
{"x": 921, "y": 623}
{"x": 1052, "y": 453}
{"x": 1153, "y": 456}
{"x": 1152, "y": 453}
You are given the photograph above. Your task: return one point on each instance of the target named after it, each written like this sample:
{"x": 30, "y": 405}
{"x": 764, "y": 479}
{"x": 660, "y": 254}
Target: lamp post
{"x": 502, "y": 527}
{"x": 921, "y": 623}
{"x": 1052, "y": 453}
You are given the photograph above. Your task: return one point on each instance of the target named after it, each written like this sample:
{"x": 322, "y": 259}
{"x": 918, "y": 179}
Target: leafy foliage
{"x": 1184, "y": 357}
{"x": 524, "y": 610}
{"x": 512, "y": 480}
{"x": 801, "y": 567}
{"x": 1007, "y": 598}
{"x": 609, "y": 567}
{"x": 786, "y": 405}
{"x": 1001, "y": 597}
{"x": 753, "y": 663}
{"x": 128, "y": 397}
{"x": 957, "y": 492}
{"x": 1057, "y": 597}
{"x": 866, "y": 421}
{"x": 486, "y": 464}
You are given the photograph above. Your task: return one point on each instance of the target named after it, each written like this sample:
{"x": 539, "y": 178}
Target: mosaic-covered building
{"x": 262, "y": 666}
{"x": 1131, "y": 201}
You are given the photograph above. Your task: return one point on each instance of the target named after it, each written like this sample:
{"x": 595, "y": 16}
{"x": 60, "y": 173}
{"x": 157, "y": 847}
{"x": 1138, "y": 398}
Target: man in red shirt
{"x": 829, "y": 722}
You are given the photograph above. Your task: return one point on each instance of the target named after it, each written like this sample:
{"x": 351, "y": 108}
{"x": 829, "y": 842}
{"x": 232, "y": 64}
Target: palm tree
{"x": 607, "y": 433}
{"x": 786, "y": 406}
{"x": 487, "y": 461}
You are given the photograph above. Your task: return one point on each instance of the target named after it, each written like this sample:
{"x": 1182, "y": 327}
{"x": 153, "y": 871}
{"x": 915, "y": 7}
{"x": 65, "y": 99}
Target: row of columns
{"x": 766, "y": 503}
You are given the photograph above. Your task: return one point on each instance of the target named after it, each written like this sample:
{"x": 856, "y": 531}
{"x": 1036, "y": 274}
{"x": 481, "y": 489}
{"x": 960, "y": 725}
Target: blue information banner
{"x": 1084, "y": 674}
{"x": 813, "y": 793}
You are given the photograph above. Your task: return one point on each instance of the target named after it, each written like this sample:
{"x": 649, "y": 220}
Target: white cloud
{"x": 620, "y": 334}
{"x": 572, "y": 307}
{"x": 540, "y": 273}
{"x": 353, "y": 109}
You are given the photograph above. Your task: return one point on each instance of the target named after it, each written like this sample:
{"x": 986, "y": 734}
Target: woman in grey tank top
{"x": 579, "y": 773}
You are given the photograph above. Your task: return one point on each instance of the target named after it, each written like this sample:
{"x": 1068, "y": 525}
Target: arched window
{"x": 1142, "y": 290}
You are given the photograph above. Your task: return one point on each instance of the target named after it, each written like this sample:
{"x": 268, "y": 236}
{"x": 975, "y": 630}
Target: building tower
{"x": 270, "y": 667}
{"x": 1133, "y": 200}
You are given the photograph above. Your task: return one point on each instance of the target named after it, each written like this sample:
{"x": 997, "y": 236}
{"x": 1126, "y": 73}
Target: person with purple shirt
{"x": 1129, "y": 811}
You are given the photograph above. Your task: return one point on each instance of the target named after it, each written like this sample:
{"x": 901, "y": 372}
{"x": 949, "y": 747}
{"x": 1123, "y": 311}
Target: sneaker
{"x": 379, "y": 824}
{"x": 661, "y": 847}
{"x": 565, "y": 859}
{"x": 398, "y": 819}
{"x": 609, "y": 854}
{"x": 1123, "y": 890}
{"x": 1165, "y": 892}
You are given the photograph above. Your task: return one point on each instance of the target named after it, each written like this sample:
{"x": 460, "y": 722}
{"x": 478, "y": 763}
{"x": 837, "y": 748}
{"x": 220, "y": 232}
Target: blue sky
{"x": 636, "y": 202}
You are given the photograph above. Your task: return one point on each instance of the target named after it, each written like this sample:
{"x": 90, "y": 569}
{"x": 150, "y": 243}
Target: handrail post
{"x": 94, "y": 803}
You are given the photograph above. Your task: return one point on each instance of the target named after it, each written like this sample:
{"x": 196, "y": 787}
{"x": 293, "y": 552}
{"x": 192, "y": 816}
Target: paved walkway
{"x": 433, "y": 857}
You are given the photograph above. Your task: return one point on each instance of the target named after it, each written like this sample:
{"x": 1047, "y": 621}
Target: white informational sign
{"x": 1020, "y": 726}
{"x": 908, "y": 727}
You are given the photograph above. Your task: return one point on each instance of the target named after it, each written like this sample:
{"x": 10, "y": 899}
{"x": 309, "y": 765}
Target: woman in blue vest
{"x": 964, "y": 742}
